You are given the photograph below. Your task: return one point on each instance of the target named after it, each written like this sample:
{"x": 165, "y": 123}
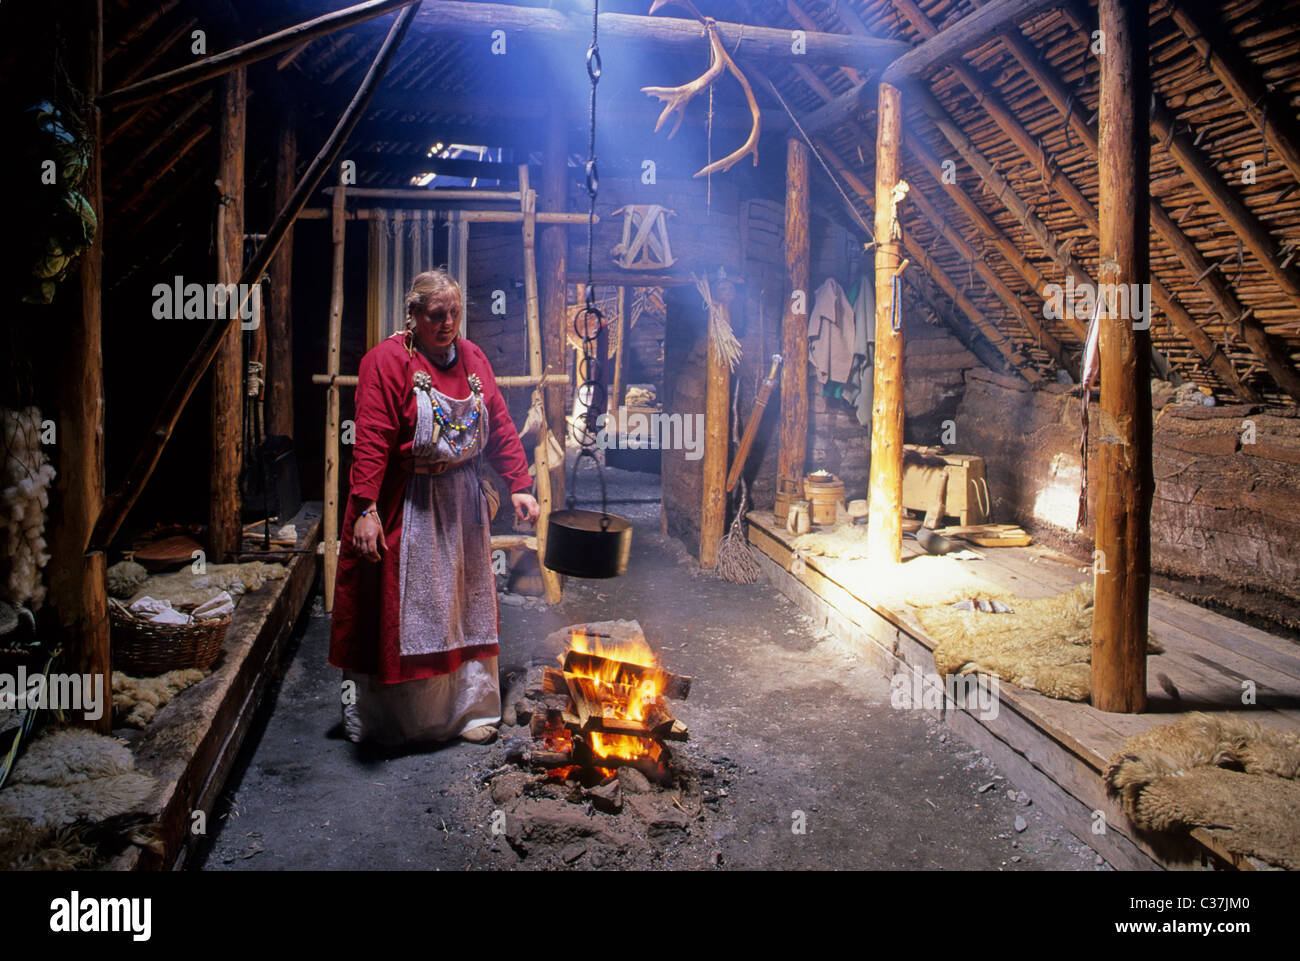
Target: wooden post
{"x": 717, "y": 397}
{"x": 78, "y": 586}
{"x": 279, "y": 371}
{"x": 224, "y": 529}
{"x": 885, "y": 526}
{"x": 792, "y": 451}
{"x": 1124, "y": 473}
{"x": 553, "y": 254}
{"x": 541, "y": 455}
{"x": 620, "y": 353}
{"x": 331, "y": 520}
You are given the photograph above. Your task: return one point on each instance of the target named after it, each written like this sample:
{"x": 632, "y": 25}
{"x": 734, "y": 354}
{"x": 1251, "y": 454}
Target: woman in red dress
{"x": 415, "y": 608}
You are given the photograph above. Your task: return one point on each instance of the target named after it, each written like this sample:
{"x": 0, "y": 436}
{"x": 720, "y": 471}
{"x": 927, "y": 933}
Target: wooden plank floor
{"x": 1208, "y": 658}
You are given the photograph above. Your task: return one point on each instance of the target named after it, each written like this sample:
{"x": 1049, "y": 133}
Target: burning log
{"x": 647, "y": 756}
{"x": 544, "y": 753}
{"x": 625, "y": 672}
{"x": 598, "y": 707}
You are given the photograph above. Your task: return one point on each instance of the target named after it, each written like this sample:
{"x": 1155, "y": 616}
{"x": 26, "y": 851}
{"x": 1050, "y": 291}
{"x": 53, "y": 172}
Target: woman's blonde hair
{"x": 431, "y": 288}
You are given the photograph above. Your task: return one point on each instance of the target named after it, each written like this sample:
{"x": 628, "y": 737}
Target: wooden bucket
{"x": 826, "y": 494}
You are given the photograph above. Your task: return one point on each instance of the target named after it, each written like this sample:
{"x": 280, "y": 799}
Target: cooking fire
{"x": 603, "y": 708}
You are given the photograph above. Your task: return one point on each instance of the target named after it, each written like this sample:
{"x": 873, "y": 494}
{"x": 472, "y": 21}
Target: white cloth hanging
{"x": 406, "y": 246}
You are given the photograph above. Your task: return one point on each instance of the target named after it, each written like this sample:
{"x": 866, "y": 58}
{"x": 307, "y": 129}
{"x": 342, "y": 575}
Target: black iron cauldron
{"x": 582, "y": 543}
{"x": 590, "y": 544}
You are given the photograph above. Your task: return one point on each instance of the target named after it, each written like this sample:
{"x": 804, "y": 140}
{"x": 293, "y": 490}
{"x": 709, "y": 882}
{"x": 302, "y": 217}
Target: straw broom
{"x": 736, "y": 560}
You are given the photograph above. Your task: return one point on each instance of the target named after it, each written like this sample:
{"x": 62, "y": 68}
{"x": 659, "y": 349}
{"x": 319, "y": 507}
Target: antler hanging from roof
{"x": 676, "y": 98}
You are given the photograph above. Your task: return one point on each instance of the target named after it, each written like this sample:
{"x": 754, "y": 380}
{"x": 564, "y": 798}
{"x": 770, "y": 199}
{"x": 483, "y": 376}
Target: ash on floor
{"x": 796, "y": 758}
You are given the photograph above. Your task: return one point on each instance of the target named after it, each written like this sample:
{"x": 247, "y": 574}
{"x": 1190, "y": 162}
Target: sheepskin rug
{"x": 81, "y": 846}
{"x": 845, "y": 541}
{"x": 1226, "y": 773}
{"x": 72, "y": 774}
{"x": 1043, "y": 645}
{"x": 186, "y": 587}
{"x": 137, "y": 699}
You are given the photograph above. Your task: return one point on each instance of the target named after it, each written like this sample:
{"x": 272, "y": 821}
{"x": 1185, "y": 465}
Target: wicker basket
{"x": 142, "y": 648}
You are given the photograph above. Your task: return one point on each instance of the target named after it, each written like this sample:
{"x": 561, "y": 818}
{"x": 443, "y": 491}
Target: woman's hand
{"x": 526, "y": 508}
{"x": 368, "y": 535}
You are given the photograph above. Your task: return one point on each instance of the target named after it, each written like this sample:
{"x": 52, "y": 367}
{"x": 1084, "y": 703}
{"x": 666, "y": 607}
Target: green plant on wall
{"x": 64, "y": 221}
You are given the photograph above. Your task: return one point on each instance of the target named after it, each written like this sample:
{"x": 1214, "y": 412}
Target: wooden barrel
{"x": 826, "y": 494}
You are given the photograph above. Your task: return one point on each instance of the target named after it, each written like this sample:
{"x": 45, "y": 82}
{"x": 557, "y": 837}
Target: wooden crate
{"x": 966, "y": 495}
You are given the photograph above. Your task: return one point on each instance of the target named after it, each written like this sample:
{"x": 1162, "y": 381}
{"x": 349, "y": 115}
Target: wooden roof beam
{"x": 140, "y": 27}
{"x": 1225, "y": 202}
{"x": 490, "y": 109}
{"x": 1003, "y": 191}
{"x": 1032, "y": 150}
{"x": 456, "y": 18}
{"x": 970, "y": 31}
{"x": 991, "y": 333}
{"x": 840, "y": 109}
{"x": 1243, "y": 81}
{"x": 991, "y": 279}
{"x": 245, "y": 53}
{"x": 1271, "y": 354}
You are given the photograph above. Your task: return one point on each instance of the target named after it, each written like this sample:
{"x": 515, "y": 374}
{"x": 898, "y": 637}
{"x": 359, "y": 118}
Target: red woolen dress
{"x": 416, "y": 633}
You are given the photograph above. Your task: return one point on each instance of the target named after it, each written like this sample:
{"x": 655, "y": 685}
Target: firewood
{"x": 548, "y": 759}
{"x": 675, "y": 685}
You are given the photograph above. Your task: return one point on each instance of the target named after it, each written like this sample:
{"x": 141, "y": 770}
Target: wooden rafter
{"x": 951, "y": 290}
{"x": 970, "y": 31}
{"x": 167, "y": 133}
{"x": 1032, "y": 150}
{"x": 1002, "y": 190}
{"x": 246, "y": 53}
{"x": 839, "y": 109}
{"x": 139, "y": 28}
{"x": 1223, "y": 199}
{"x": 167, "y": 43}
{"x": 1210, "y": 37}
{"x": 995, "y": 283}
{"x": 1271, "y": 354}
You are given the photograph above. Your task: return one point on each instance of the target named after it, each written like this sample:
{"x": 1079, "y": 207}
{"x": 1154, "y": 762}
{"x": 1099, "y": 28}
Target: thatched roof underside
{"x": 155, "y": 151}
